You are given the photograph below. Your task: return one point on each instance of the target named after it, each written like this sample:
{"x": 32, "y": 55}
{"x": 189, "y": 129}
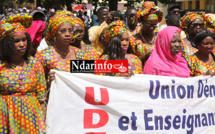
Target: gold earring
{"x": 73, "y": 40}
{"x": 54, "y": 39}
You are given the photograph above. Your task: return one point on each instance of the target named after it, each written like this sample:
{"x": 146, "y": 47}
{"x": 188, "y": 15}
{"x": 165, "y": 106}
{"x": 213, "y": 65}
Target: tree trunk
{"x": 38, "y": 3}
{"x": 113, "y": 4}
{"x": 58, "y": 4}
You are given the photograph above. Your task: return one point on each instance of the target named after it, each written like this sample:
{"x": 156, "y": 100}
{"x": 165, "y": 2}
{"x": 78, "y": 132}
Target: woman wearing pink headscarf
{"x": 166, "y": 57}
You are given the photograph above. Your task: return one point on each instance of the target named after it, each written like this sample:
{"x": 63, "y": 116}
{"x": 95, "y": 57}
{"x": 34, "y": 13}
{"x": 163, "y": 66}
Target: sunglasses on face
{"x": 131, "y": 15}
{"x": 151, "y": 25}
{"x": 78, "y": 31}
{"x": 198, "y": 24}
{"x": 174, "y": 12}
{"x": 18, "y": 40}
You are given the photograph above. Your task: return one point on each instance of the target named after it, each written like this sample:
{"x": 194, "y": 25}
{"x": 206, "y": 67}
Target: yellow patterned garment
{"x": 50, "y": 61}
{"x": 149, "y": 11}
{"x": 54, "y": 25}
{"x": 89, "y": 54}
{"x": 21, "y": 89}
{"x": 139, "y": 47}
{"x": 187, "y": 51}
{"x": 190, "y": 17}
{"x": 115, "y": 28}
{"x": 15, "y": 24}
{"x": 64, "y": 12}
{"x": 198, "y": 67}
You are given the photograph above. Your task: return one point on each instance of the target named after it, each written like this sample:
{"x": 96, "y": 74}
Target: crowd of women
{"x": 25, "y": 77}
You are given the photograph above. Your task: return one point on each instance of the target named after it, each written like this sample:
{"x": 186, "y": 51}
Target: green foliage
{"x": 20, "y": 2}
{"x": 48, "y": 4}
{"x": 52, "y": 3}
{"x": 131, "y": 2}
{"x": 4, "y": 3}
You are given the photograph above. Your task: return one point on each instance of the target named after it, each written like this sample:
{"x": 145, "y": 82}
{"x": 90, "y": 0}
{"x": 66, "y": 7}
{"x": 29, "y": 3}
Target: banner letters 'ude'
{"x": 143, "y": 104}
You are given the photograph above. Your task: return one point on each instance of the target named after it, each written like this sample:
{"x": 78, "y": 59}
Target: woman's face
{"x": 79, "y": 30}
{"x": 206, "y": 46}
{"x": 195, "y": 27}
{"x": 64, "y": 34}
{"x": 102, "y": 38}
{"x": 20, "y": 43}
{"x": 175, "y": 44}
{"x": 149, "y": 26}
{"x": 125, "y": 42}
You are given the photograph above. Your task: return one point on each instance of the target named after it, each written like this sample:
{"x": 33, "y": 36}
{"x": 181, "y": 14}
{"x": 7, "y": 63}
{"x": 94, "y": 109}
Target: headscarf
{"x": 189, "y": 17}
{"x": 36, "y": 31}
{"x": 64, "y": 12}
{"x": 77, "y": 20}
{"x": 115, "y": 28}
{"x": 54, "y": 25}
{"x": 161, "y": 61}
{"x": 98, "y": 45}
{"x": 210, "y": 20}
{"x": 59, "y": 13}
{"x": 91, "y": 32}
{"x": 15, "y": 24}
{"x": 149, "y": 11}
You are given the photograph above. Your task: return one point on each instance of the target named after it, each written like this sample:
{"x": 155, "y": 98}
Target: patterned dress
{"x": 139, "y": 47}
{"x": 134, "y": 63}
{"x": 21, "y": 90}
{"x": 187, "y": 51}
{"x": 89, "y": 54}
{"x": 50, "y": 61}
{"x": 198, "y": 67}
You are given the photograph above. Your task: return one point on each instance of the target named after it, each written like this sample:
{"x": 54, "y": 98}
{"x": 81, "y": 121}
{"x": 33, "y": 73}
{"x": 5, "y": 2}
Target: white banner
{"x": 142, "y": 104}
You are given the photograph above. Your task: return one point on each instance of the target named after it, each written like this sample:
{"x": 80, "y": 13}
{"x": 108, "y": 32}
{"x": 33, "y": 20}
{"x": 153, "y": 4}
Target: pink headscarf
{"x": 36, "y": 31}
{"x": 161, "y": 61}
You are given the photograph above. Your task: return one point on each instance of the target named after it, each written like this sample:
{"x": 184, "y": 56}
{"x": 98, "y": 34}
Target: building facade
{"x": 197, "y": 5}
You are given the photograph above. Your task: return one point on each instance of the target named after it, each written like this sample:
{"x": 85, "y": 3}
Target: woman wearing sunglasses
{"x": 192, "y": 23}
{"x": 143, "y": 42}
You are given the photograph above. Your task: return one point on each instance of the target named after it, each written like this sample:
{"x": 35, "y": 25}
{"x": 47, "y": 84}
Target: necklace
{"x": 144, "y": 40}
{"x": 63, "y": 55}
{"x": 15, "y": 65}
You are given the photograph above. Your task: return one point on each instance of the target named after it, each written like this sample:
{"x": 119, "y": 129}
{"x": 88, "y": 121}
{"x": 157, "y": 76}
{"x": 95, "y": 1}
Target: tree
{"x": 38, "y": 3}
{"x": 113, "y": 5}
{"x": 2, "y": 3}
{"x": 164, "y": 1}
{"x": 20, "y": 2}
{"x": 58, "y": 4}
